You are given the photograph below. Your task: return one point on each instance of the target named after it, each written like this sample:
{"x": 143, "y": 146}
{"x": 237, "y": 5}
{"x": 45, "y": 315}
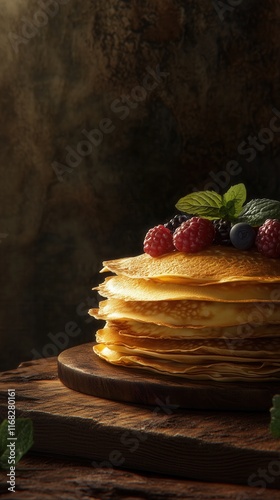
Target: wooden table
{"x": 78, "y": 439}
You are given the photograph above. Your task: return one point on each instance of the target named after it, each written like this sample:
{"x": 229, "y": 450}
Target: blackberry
{"x": 222, "y": 230}
{"x": 177, "y": 221}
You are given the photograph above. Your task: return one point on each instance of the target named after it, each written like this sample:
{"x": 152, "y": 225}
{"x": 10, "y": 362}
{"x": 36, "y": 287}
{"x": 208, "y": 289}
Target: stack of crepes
{"x": 212, "y": 315}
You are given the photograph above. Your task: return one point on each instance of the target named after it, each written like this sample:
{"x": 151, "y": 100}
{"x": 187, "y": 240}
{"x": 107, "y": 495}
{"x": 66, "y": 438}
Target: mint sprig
{"x": 211, "y": 205}
{"x": 230, "y": 206}
{"x": 274, "y": 426}
{"x": 255, "y": 212}
{"x": 234, "y": 199}
{"x": 24, "y": 441}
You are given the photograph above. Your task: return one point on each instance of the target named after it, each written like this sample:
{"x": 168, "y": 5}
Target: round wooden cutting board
{"x": 82, "y": 370}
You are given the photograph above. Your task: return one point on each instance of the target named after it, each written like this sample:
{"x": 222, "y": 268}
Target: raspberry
{"x": 268, "y": 238}
{"x": 177, "y": 221}
{"x": 194, "y": 235}
{"x": 158, "y": 241}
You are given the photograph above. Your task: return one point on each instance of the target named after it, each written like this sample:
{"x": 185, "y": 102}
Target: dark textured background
{"x": 222, "y": 85}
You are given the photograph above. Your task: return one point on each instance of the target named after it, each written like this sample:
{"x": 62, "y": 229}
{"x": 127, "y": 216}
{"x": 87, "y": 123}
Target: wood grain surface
{"x": 228, "y": 447}
{"x": 80, "y": 369}
{"x": 47, "y": 477}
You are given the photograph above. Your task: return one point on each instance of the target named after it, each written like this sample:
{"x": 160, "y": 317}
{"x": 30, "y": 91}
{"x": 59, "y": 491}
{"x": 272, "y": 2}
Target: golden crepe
{"x": 237, "y": 333}
{"x": 212, "y": 315}
{"x": 216, "y": 264}
{"x": 189, "y": 313}
{"x": 212, "y": 349}
{"x": 124, "y": 288}
{"x": 222, "y": 372}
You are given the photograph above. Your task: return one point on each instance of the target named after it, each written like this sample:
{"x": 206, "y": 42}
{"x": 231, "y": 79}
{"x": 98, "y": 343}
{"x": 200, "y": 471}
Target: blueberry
{"x": 242, "y": 236}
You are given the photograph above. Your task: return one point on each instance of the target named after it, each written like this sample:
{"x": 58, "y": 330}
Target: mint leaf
{"x": 255, "y": 212}
{"x": 202, "y": 203}
{"x": 24, "y": 441}
{"x": 274, "y": 426}
{"x": 234, "y": 199}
